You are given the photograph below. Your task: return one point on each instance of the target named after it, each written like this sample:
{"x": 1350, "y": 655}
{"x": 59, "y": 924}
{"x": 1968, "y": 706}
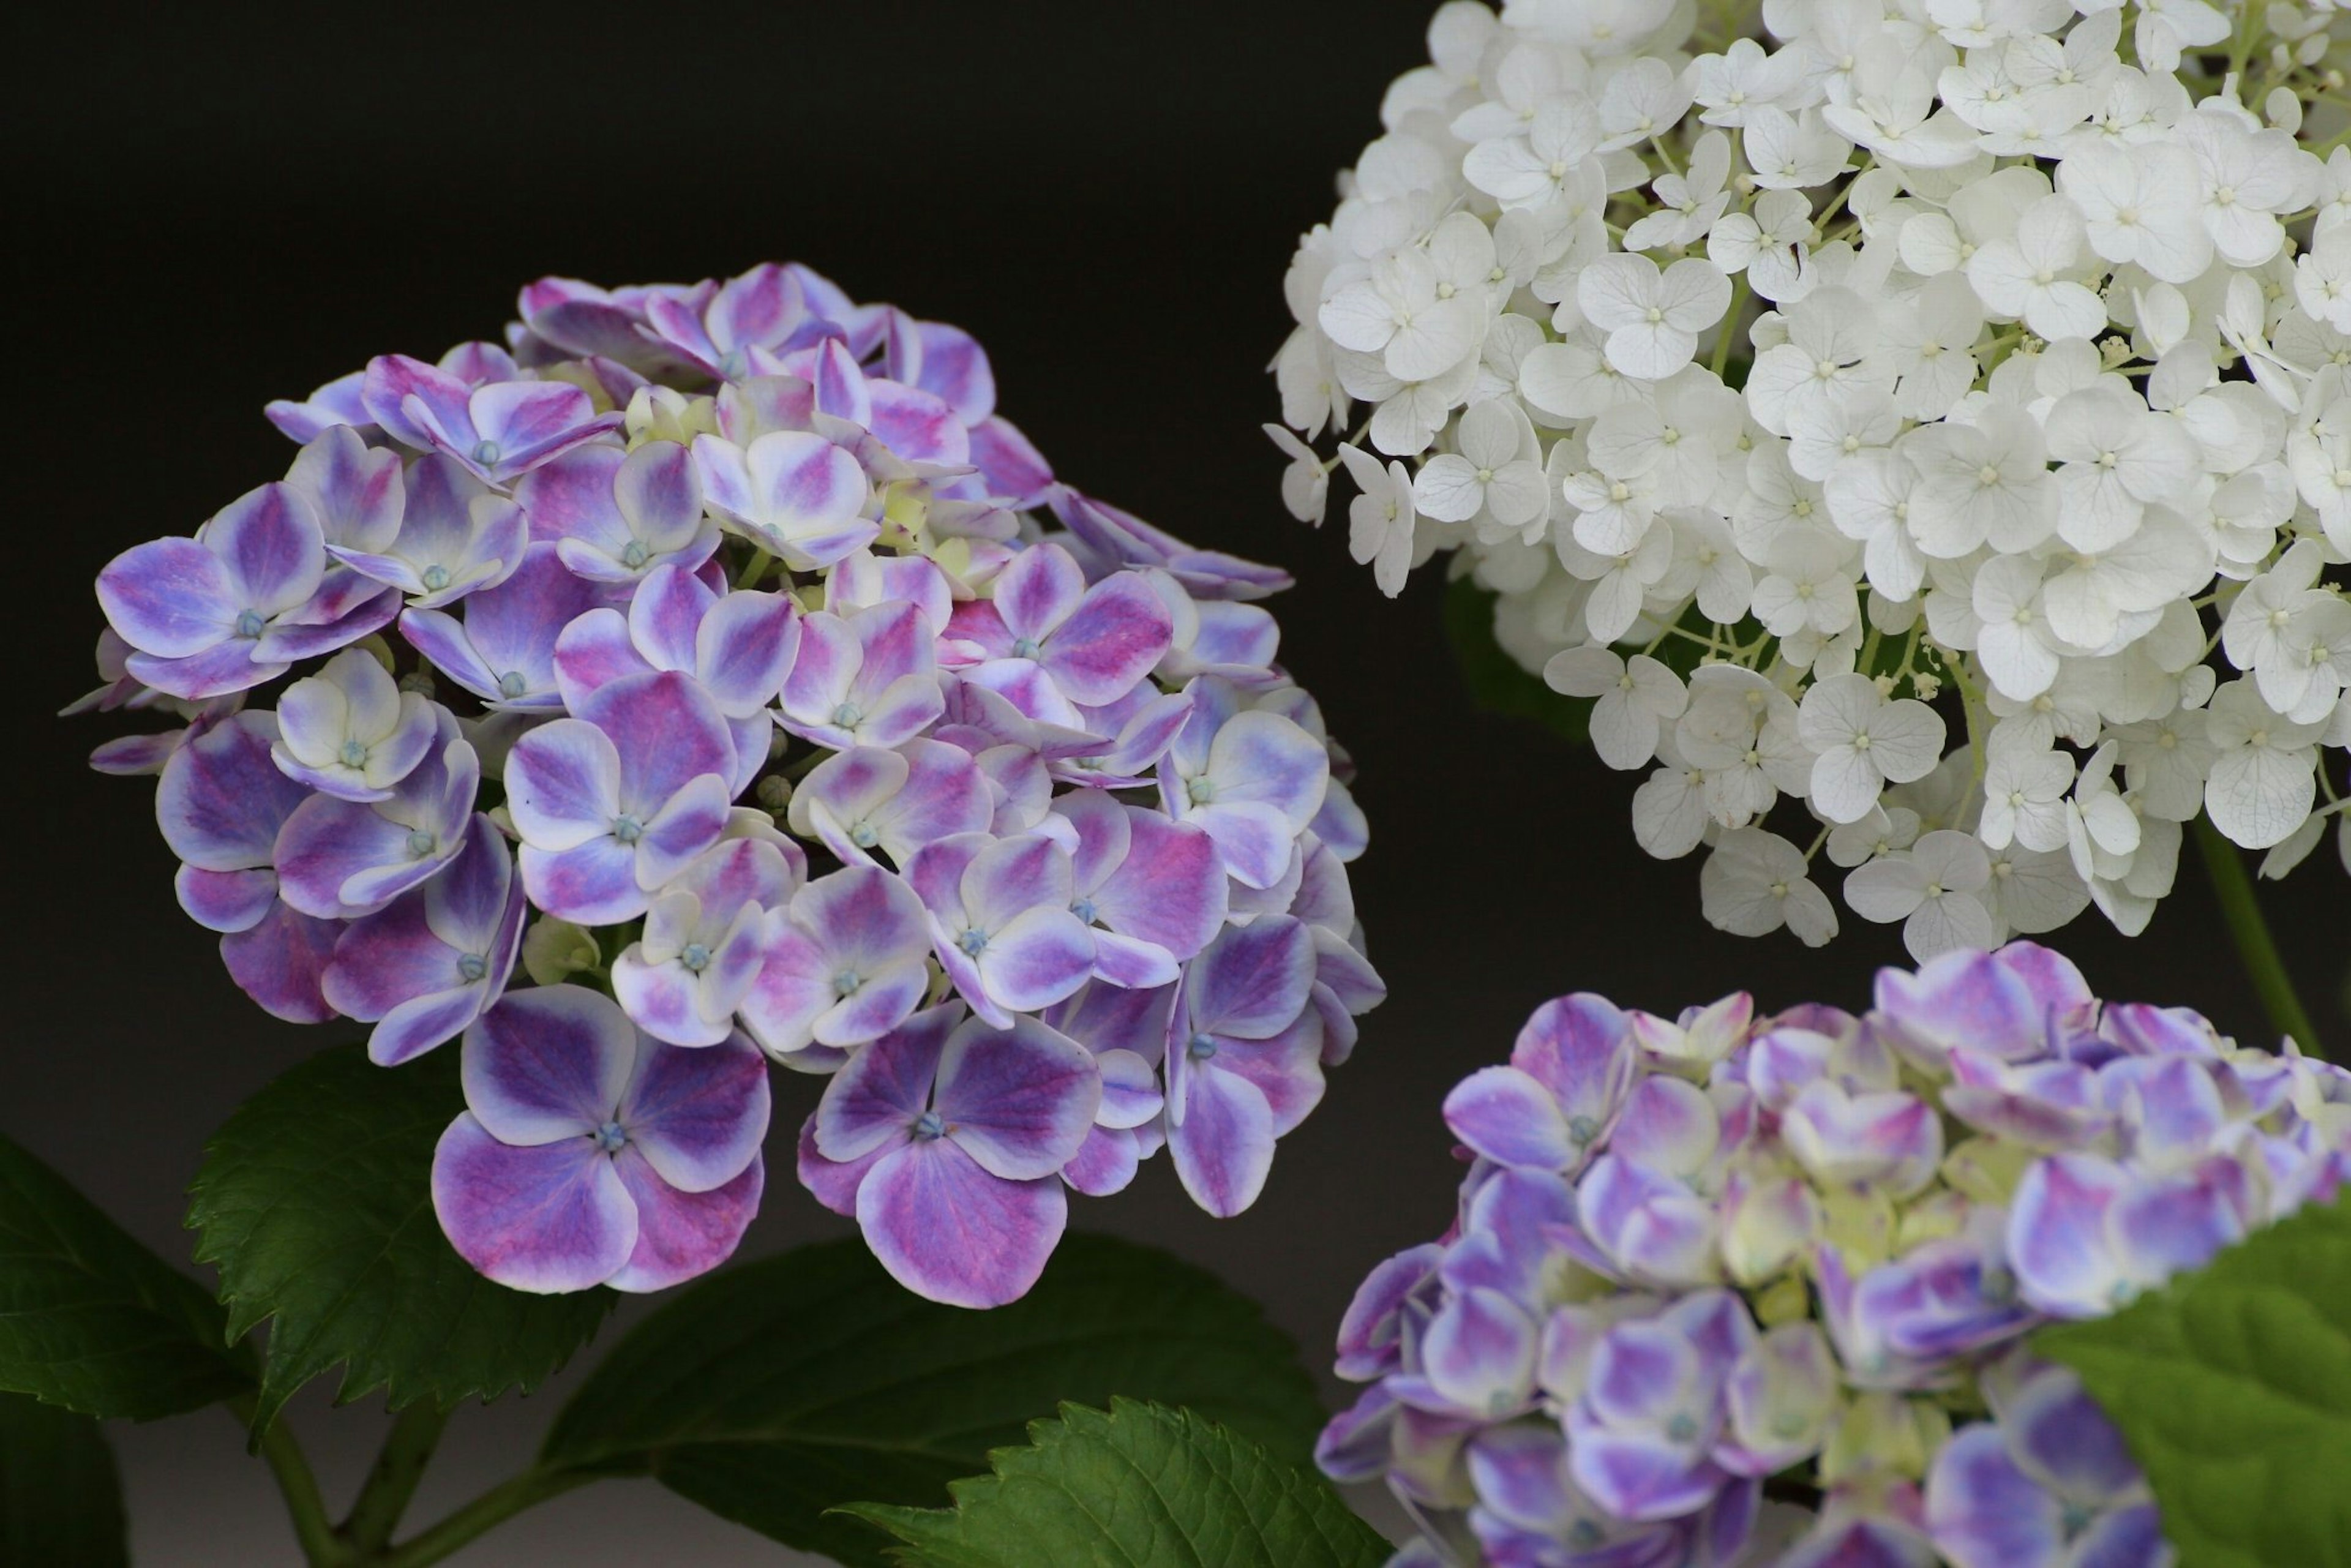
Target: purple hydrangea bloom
{"x": 613, "y": 516}
{"x": 1000, "y": 921}
{"x": 498, "y": 430}
{"x": 237, "y": 604}
{"x": 1692, "y": 1254}
{"x": 221, "y": 803}
{"x": 843, "y": 963}
{"x": 683, "y": 979}
{"x": 590, "y": 1154}
{"x": 456, "y": 537}
{"x": 427, "y": 965}
{"x": 1243, "y": 1058}
{"x": 614, "y": 803}
{"x": 715, "y": 577}
{"x": 504, "y": 649}
{"x": 960, "y": 1130}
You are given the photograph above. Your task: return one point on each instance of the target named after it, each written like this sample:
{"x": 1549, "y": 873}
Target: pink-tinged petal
{"x": 333, "y": 404}
{"x": 966, "y": 976}
{"x": 2058, "y": 1240}
{"x": 1479, "y": 1354}
{"x": 549, "y": 1064}
{"x": 895, "y": 640}
{"x": 1104, "y": 836}
{"x": 1651, "y": 1228}
{"x": 1962, "y": 998}
{"x": 172, "y": 597}
{"x": 947, "y": 1231}
{"x": 1112, "y": 641}
{"x": 524, "y": 423}
{"x": 1263, "y": 758}
{"x": 697, "y": 1114}
{"x": 1036, "y": 959}
{"x": 1010, "y": 876}
{"x": 1512, "y": 1120}
{"x": 1125, "y": 961}
{"x": 421, "y": 1023}
{"x": 664, "y": 614}
{"x": 226, "y": 901}
{"x": 1019, "y": 1100}
{"x": 683, "y": 1234}
{"x": 594, "y": 650}
{"x": 1253, "y": 980}
{"x": 1130, "y": 1084}
{"x": 827, "y": 661}
{"x": 840, "y": 384}
{"x": 946, "y": 361}
{"x": 1009, "y": 462}
{"x": 134, "y": 756}
{"x": 1170, "y": 889}
{"x": 216, "y": 671}
{"x": 885, "y": 1087}
{"x": 690, "y": 824}
{"x": 1287, "y": 1069}
{"x": 355, "y": 490}
{"x": 834, "y": 1183}
{"x": 340, "y": 858}
{"x": 1105, "y": 1164}
{"x": 571, "y": 498}
{"x": 278, "y": 960}
{"x": 1580, "y": 1046}
{"x": 665, "y": 730}
{"x": 1254, "y": 839}
{"x": 390, "y": 381}
{"x": 1223, "y": 1148}
{"x": 346, "y": 608}
{"x": 268, "y": 539}
{"x": 795, "y": 987}
{"x": 802, "y": 483}
{"x": 764, "y": 306}
{"x": 744, "y": 648}
{"x": 936, "y": 871}
{"x": 544, "y": 1219}
{"x": 916, "y": 426}
{"x": 221, "y": 798}
{"x": 866, "y": 915}
{"x": 563, "y": 785}
{"x": 1038, "y": 591}
{"x": 659, "y": 999}
{"x": 594, "y": 884}
{"x": 1029, "y": 687}
{"x": 388, "y": 958}
{"x": 658, "y": 494}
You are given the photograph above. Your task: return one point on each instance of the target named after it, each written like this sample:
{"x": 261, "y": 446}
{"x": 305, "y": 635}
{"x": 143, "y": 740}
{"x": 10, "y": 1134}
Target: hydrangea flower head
{"x": 709, "y": 678}
{"x": 1968, "y": 378}
{"x": 1692, "y": 1254}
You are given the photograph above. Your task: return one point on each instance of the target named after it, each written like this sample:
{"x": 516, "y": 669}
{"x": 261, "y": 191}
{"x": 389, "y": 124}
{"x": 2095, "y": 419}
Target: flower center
{"x": 1024, "y": 647}
{"x": 1682, "y": 1428}
{"x": 847, "y": 983}
{"x": 353, "y": 754}
{"x": 634, "y": 554}
{"x": 927, "y": 1128}
{"x": 972, "y": 941}
{"x": 864, "y": 836}
{"x": 848, "y": 715}
{"x": 420, "y": 844}
{"x": 485, "y": 451}
{"x": 628, "y": 830}
{"x": 696, "y": 958}
{"x": 250, "y": 623}
{"x": 513, "y": 684}
{"x": 610, "y": 1137}
{"x": 1582, "y": 1129}
{"x": 1200, "y": 1047}
{"x": 1201, "y": 790}
{"x": 1084, "y": 910}
{"x": 473, "y": 966}
{"x": 435, "y": 578}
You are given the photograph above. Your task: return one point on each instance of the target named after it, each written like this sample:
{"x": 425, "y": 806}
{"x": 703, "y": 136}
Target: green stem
{"x": 312, "y": 1528}
{"x": 494, "y": 1507}
{"x": 2255, "y": 946}
{"x": 407, "y": 1449}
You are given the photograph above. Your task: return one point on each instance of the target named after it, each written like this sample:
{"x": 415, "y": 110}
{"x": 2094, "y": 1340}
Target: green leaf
{"x": 2232, "y": 1387}
{"x": 1496, "y": 682}
{"x": 1145, "y": 1486}
{"x": 315, "y": 1200}
{"x": 779, "y": 1389}
{"x": 60, "y": 1499}
{"x": 92, "y": 1320}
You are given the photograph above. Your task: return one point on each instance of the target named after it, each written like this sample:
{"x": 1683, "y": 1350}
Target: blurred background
{"x": 219, "y": 205}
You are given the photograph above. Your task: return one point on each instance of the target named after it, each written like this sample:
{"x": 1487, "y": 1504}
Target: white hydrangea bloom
{"x": 1931, "y": 419}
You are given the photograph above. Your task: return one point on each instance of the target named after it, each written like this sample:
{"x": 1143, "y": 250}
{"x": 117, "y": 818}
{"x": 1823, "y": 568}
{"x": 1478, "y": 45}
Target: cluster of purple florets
{"x": 715, "y": 654}
{"x": 1695, "y": 1255}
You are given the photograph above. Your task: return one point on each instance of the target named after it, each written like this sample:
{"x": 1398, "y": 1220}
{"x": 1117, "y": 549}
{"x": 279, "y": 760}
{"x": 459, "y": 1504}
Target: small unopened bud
{"x": 417, "y": 681}
{"x": 554, "y": 950}
{"x": 775, "y": 792}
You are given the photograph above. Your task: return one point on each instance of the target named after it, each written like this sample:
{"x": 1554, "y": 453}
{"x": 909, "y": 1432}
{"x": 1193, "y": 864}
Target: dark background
{"x": 212, "y": 209}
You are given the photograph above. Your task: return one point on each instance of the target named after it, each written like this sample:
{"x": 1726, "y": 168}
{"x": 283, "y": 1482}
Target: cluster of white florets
{"x": 1919, "y": 428}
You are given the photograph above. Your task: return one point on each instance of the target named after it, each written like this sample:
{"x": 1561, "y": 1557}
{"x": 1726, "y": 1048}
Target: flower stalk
{"x": 2256, "y": 948}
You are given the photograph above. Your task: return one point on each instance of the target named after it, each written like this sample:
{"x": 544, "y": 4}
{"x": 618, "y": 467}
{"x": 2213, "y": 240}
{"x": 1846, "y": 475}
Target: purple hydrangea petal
{"x": 226, "y": 901}
{"x": 356, "y": 491}
{"x": 696, "y": 1114}
{"x": 172, "y": 597}
{"x": 834, "y": 1183}
{"x": 2057, "y": 1235}
{"x": 948, "y": 1230}
{"x": 682, "y": 1234}
{"x": 1223, "y": 1145}
{"x": 1512, "y": 1120}
{"x": 884, "y": 1088}
{"x": 222, "y": 799}
{"x": 946, "y": 361}
{"x": 544, "y": 1218}
{"x": 278, "y": 962}
{"x": 1581, "y": 1048}
{"x": 1169, "y": 889}
{"x": 666, "y": 732}
{"x": 1963, "y": 998}
{"x": 335, "y": 404}
{"x": 1020, "y": 1100}
{"x": 1253, "y": 980}
{"x": 1479, "y": 1354}
{"x": 547, "y": 1064}
{"x": 1984, "y": 1512}
{"x": 1106, "y": 1162}
{"x": 592, "y": 884}
{"x": 1111, "y": 641}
